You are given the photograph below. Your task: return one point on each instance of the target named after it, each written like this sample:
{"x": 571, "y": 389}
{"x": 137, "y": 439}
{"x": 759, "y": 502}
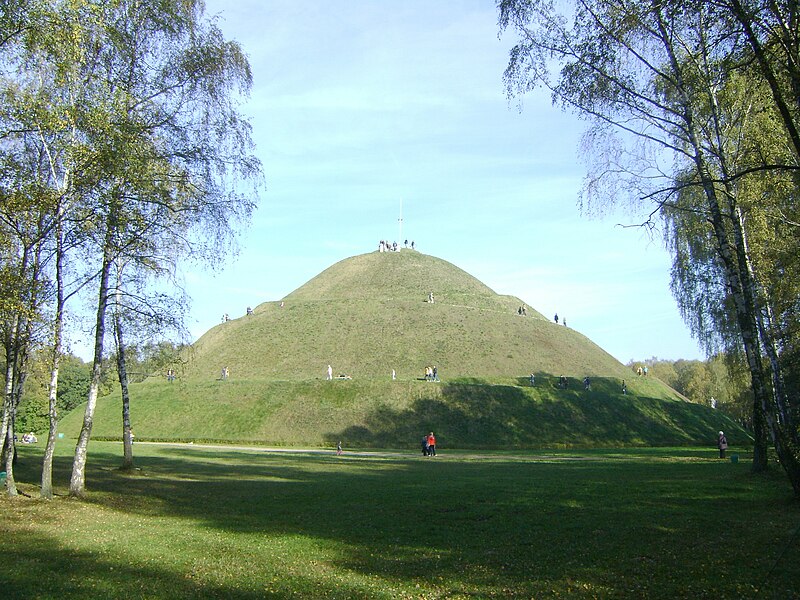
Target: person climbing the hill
{"x": 624, "y": 388}
{"x": 722, "y": 444}
{"x": 431, "y": 444}
{"x": 587, "y": 385}
{"x": 555, "y": 318}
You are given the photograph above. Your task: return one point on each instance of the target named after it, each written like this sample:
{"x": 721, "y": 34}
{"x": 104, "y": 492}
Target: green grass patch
{"x": 482, "y": 413}
{"x": 227, "y": 523}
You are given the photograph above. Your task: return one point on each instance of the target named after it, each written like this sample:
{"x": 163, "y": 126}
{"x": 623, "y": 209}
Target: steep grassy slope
{"x": 369, "y": 314}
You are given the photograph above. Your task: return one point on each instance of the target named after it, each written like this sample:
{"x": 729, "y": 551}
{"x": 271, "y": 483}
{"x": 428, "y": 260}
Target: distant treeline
{"x": 719, "y": 382}
{"x": 74, "y": 376}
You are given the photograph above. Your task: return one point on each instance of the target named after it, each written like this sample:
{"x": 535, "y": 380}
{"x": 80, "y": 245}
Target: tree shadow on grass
{"x": 473, "y": 415}
{"x": 457, "y": 528}
{"x": 37, "y": 566}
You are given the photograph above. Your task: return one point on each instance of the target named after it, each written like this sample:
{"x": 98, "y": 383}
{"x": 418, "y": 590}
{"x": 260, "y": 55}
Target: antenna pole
{"x": 400, "y": 223}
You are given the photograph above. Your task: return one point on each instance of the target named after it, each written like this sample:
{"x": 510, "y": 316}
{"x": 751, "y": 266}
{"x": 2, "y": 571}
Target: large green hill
{"x": 370, "y": 314}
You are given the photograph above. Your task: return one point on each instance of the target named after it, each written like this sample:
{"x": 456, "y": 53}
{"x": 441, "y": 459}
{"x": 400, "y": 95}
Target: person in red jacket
{"x": 431, "y": 444}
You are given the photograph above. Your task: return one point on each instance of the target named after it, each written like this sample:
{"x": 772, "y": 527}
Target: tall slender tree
{"x": 649, "y": 76}
{"x": 174, "y": 145}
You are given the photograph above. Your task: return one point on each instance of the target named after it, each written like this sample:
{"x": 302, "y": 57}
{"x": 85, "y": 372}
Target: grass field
{"x": 197, "y": 522}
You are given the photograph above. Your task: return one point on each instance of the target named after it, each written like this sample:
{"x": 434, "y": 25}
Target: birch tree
{"x": 172, "y": 146}
{"x": 648, "y": 77}
{"x": 43, "y": 101}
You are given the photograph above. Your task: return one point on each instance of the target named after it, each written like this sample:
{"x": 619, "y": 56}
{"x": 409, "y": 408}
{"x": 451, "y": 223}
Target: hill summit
{"x": 370, "y": 314}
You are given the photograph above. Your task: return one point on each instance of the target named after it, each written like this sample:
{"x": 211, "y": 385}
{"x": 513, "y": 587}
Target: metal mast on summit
{"x": 400, "y": 224}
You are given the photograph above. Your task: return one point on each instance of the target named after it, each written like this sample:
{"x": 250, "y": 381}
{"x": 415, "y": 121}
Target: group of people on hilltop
{"x": 387, "y": 246}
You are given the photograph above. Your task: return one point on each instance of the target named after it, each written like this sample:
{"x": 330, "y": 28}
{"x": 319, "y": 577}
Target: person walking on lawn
{"x": 431, "y": 444}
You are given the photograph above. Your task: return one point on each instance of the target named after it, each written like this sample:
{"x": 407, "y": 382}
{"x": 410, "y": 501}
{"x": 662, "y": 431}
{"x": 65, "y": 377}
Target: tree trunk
{"x": 785, "y": 450}
{"x": 783, "y": 404}
{"x": 17, "y": 357}
{"x": 11, "y": 443}
{"x": 744, "y": 308}
{"x": 11, "y": 454}
{"x": 47, "y": 462}
{"x": 7, "y": 448}
{"x": 122, "y": 371}
{"x": 736, "y": 277}
{"x": 49, "y": 450}
{"x": 77, "y": 484}
{"x": 7, "y": 395}
{"x": 12, "y": 351}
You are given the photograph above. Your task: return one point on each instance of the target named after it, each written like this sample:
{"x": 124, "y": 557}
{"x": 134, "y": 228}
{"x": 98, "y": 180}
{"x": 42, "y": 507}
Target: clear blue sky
{"x": 360, "y": 105}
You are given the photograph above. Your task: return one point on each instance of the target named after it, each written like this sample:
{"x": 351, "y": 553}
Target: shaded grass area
{"x": 199, "y": 523}
{"x": 465, "y": 413}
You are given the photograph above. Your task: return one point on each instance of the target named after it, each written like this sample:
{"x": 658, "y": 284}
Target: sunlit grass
{"x": 224, "y": 523}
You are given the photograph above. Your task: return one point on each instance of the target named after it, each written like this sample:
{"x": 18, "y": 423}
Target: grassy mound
{"x": 370, "y": 314}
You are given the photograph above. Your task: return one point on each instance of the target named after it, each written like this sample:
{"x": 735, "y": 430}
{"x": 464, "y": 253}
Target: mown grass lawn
{"x": 202, "y": 523}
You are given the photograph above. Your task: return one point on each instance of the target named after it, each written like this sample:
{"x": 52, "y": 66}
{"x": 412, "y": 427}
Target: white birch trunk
{"x": 77, "y": 484}
{"x": 122, "y": 372}
{"x": 46, "y": 491}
